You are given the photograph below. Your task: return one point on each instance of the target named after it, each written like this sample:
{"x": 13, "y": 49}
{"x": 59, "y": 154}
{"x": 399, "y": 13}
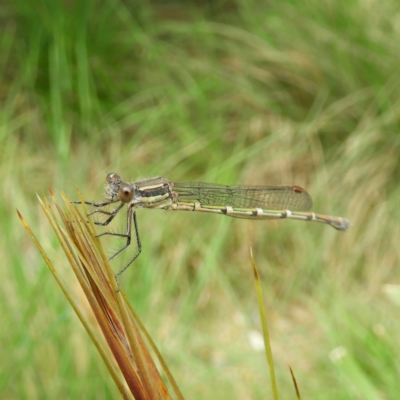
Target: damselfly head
{"x": 112, "y": 187}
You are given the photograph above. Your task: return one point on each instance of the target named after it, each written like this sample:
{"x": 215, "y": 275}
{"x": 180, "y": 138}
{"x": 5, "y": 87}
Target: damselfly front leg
{"x": 90, "y": 203}
{"x": 128, "y": 235}
{"x": 111, "y": 215}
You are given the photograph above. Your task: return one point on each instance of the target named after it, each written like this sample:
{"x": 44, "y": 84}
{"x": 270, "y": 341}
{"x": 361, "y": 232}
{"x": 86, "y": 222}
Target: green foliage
{"x": 251, "y": 92}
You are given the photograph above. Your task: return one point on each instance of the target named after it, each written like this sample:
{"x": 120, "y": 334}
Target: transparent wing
{"x": 266, "y": 197}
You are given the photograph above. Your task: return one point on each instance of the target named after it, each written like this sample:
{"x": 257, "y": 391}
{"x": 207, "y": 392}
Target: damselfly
{"x": 252, "y": 202}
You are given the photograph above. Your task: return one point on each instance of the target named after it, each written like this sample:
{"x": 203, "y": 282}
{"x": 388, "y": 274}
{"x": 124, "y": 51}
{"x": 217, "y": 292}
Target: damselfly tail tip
{"x": 342, "y": 225}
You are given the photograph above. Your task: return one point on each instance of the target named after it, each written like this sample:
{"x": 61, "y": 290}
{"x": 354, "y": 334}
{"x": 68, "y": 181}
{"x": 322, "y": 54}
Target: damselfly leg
{"x": 131, "y": 214}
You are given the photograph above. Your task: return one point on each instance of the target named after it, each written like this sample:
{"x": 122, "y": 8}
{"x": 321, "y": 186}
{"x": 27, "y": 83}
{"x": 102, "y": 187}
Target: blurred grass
{"x": 226, "y": 92}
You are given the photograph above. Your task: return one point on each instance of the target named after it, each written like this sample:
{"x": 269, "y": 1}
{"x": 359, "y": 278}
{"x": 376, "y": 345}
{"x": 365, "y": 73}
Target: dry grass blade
{"x": 295, "y": 384}
{"x": 263, "y": 316}
{"x": 124, "y": 350}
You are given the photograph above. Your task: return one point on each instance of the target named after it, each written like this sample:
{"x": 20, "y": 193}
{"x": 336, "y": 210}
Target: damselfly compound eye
{"x": 113, "y": 178}
{"x": 125, "y": 193}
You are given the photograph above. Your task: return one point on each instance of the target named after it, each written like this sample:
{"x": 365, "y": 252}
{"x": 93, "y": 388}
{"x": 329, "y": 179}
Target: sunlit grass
{"x": 238, "y": 92}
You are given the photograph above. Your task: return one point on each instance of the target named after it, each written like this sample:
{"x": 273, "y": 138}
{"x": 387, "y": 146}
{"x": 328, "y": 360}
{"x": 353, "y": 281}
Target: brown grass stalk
{"x": 125, "y": 349}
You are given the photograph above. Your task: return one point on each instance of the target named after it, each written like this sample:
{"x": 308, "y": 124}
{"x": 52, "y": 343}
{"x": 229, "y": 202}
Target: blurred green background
{"x": 233, "y": 92}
